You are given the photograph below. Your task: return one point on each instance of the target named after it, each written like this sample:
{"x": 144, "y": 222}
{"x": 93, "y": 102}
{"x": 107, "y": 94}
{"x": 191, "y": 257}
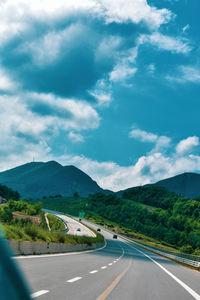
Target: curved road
{"x": 119, "y": 271}
{"x": 74, "y": 227}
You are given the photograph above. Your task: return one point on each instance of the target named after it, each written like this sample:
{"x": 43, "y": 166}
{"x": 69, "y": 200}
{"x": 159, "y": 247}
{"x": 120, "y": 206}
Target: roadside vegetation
{"x": 151, "y": 214}
{"x": 55, "y": 223}
{"x": 8, "y": 193}
{"x": 23, "y": 221}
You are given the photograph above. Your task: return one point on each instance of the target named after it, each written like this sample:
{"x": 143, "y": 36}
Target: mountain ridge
{"x": 39, "y": 179}
{"x": 186, "y": 184}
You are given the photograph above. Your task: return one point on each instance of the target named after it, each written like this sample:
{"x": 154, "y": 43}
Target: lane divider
{"x": 109, "y": 289}
{"x": 92, "y": 272}
{"x": 74, "y": 279}
{"x": 104, "y": 267}
{"x": 39, "y": 293}
{"x": 185, "y": 286}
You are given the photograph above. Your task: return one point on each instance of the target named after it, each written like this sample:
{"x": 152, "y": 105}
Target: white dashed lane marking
{"x": 94, "y": 271}
{"x": 74, "y": 279}
{"x": 39, "y": 293}
{"x": 104, "y": 267}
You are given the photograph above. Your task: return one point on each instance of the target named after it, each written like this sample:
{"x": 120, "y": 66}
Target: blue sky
{"x": 111, "y": 87}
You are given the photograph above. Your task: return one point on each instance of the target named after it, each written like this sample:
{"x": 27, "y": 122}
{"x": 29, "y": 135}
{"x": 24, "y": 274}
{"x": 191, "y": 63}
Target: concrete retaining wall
{"x": 30, "y": 248}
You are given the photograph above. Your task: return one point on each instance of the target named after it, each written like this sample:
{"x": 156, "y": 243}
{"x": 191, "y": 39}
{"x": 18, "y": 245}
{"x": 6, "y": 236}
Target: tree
{"x": 76, "y": 195}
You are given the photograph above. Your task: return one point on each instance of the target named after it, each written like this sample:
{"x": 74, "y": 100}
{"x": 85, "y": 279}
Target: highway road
{"x": 120, "y": 270}
{"x": 74, "y": 227}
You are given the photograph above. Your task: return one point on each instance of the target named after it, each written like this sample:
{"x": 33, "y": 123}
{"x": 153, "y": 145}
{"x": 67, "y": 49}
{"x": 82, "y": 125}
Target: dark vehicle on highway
{"x": 114, "y": 236}
{"x": 99, "y": 229}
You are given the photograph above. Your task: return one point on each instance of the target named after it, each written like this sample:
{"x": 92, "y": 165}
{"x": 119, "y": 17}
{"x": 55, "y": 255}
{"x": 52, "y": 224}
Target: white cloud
{"x": 102, "y": 92}
{"x": 187, "y": 145}
{"x": 134, "y": 11}
{"x": 69, "y": 113}
{"x": 75, "y": 137}
{"x": 6, "y": 83}
{"x": 48, "y": 48}
{"x": 122, "y": 72}
{"x": 125, "y": 67}
{"x": 144, "y": 136}
{"x": 148, "y": 169}
{"x": 30, "y": 122}
{"x": 185, "y": 74}
{"x": 16, "y": 16}
{"x": 164, "y": 42}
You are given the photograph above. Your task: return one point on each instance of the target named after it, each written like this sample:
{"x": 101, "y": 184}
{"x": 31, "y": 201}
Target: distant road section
{"x": 74, "y": 227}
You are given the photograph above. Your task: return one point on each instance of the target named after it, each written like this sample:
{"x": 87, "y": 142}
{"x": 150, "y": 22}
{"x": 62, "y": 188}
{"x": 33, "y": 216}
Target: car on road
{"x": 114, "y": 236}
{"x": 78, "y": 229}
{"x": 99, "y": 229}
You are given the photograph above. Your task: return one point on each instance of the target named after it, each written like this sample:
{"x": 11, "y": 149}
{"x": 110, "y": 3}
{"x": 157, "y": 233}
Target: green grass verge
{"x": 32, "y": 232}
{"x": 55, "y": 223}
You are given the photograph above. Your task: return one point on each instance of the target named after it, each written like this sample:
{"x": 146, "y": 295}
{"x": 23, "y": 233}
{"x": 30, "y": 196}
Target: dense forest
{"x": 8, "y": 193}
{"x": 152, "y": 211}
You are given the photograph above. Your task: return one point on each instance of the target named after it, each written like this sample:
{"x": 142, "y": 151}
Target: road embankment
{"x": 32, "y": 248}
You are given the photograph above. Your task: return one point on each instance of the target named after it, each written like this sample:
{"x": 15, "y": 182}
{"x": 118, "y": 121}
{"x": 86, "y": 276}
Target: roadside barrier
{"x": 188, "y": 259}
{"x": 31, "y": 248}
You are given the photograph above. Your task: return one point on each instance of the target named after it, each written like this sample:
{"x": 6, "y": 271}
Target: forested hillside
{"x": 8, "y": 193}
{"x": 151, "y": 211}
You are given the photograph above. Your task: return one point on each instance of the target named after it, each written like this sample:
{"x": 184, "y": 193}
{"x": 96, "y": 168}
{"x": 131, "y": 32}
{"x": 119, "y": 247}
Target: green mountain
{"x": 186, "y": 184}
{"x": 38, "y": 179}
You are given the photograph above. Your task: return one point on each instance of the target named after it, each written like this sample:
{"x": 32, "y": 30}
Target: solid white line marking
{"x": 104, "y": 267}
{"x": 110, "y": 264}
{"x": 95, "y": 271}
{"x": 74, "y": 279}
{"x": 39, "y": 293}
{"x": 185, "y": 286}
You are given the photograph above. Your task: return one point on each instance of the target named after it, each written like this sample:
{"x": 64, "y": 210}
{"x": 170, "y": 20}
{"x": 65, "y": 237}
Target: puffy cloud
{"x": 187, "y": 145}
{"x": 102, "y": 92}
{"x": 164, "y": 42}
{"x": 148, "y": 169}
{"x": 144, "y": 136}
{"x": 125, "y": 68}
{"x": 15, "y": 15}
{"x": 31, "y": 122}
{"x": 134, "y": 11}
{"x": 122, "y": 72}
{"x": 185, "y": 74}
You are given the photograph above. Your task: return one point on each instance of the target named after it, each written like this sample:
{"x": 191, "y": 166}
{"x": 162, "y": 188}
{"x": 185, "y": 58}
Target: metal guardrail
{"x": 188, "y": 259}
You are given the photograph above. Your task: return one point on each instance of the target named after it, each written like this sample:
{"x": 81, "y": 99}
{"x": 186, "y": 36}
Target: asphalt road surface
{"x": 120, "y": 270}
{"x": 74, "y": 227}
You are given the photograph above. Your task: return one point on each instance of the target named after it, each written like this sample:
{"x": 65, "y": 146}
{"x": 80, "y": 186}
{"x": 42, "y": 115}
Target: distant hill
{"x": 186, "y": 184}
{"x": 38, "y": 179}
